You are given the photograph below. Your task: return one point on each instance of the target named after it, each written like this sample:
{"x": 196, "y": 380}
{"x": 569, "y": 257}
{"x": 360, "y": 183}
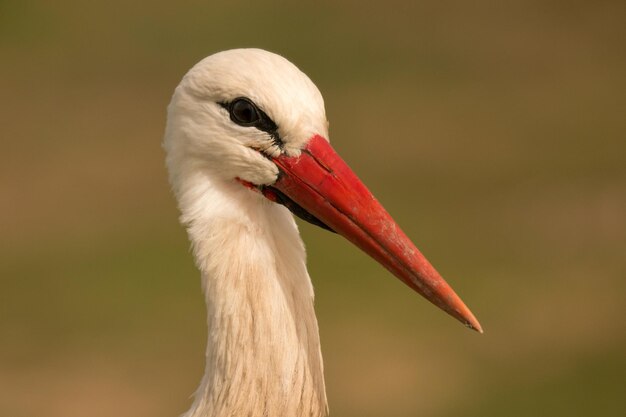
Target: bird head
{"x": 252, "y": 118}
{"x": 237, "y": 109}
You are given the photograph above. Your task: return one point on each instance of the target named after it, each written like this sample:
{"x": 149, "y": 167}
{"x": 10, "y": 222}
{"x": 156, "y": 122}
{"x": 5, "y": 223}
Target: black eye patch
{"x": 245, "y": 113}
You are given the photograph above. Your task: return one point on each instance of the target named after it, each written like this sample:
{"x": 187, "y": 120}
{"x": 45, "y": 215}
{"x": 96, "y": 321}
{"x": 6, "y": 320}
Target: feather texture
{"x": 263, "y": 354}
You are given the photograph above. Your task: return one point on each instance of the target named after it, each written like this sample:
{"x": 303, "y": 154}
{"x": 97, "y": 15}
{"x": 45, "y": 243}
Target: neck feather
{"x": 263, "y": 355}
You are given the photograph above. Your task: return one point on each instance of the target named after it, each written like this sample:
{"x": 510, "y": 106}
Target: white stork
{"x": 246, "y": 142}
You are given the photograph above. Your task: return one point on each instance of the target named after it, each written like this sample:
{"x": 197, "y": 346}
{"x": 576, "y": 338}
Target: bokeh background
{"x": 493, "y": 131}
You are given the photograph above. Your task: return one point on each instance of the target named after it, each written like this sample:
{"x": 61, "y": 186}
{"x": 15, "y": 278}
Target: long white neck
{"x": 263, "y": 355}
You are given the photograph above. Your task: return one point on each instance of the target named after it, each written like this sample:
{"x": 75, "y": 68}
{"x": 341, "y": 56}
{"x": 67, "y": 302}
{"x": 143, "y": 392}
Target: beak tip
{"x": 476, "y": 326}
{"x": 473, "y": 324}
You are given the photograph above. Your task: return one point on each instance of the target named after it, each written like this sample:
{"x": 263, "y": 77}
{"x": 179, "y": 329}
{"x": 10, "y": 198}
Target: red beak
{"x": 321, "y": 183}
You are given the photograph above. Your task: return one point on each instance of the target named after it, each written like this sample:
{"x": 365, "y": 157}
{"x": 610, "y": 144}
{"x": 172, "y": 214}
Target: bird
{"x": 247, "y": 147}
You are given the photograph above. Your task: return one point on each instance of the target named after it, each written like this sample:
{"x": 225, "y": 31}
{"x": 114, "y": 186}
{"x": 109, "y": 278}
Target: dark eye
{"x": 243, "y": 112}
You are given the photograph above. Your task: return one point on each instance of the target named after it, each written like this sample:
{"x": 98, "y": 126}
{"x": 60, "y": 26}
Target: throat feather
{"x": 263, "y": 354}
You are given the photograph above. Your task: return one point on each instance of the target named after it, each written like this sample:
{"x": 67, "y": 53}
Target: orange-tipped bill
{"x": 320, "y": 187}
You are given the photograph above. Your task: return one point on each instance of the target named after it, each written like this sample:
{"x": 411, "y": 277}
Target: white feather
{"x": 263, "y": 354}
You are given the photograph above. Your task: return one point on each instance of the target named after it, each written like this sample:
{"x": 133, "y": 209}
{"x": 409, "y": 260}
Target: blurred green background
{"x": 494, "y": 132}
